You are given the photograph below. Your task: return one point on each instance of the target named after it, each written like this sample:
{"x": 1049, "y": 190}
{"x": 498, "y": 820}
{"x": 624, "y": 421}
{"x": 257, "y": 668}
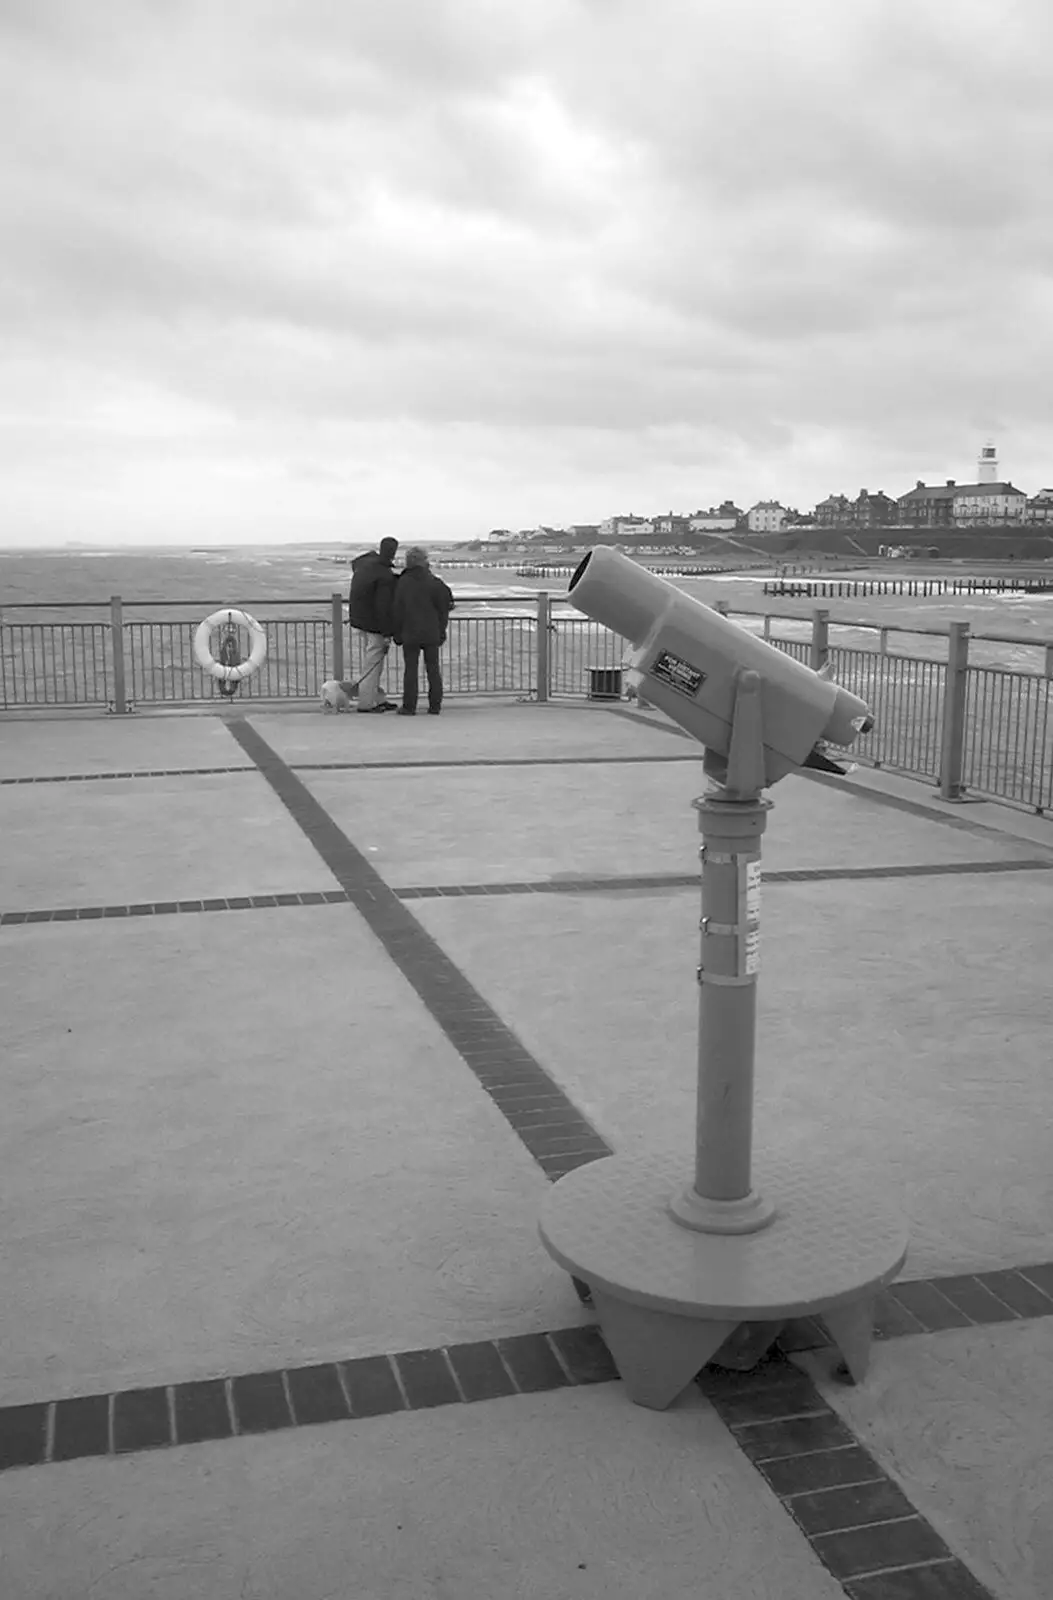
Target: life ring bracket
{"x": 229, "y": 618}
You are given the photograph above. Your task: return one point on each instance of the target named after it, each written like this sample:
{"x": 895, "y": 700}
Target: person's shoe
{"x": 404, "y": 712}
{"x": 433, "y": 711}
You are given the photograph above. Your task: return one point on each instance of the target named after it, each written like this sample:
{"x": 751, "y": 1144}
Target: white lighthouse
{"x": 987, "y": 466}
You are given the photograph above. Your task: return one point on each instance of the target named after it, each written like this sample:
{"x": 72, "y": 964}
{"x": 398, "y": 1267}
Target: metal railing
{"x": 55, "y": 664}
{"x": 906, "y": 696}
{"x": 163, "y": 669}
{"x": 965, "y": 725}
{"x": 1007, "y": 748}
{"x": 579, "y": 647}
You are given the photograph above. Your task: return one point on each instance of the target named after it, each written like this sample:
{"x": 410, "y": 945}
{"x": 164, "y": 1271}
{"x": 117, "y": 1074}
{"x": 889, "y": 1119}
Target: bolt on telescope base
{"x": 668, "y": 1296}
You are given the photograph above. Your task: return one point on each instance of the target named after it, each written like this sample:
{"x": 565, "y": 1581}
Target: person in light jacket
{"x": 369, "y": 611}
{"x": 420, "y": 614}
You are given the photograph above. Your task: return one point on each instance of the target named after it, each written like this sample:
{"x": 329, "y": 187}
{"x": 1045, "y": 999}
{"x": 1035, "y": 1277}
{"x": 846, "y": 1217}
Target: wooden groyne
{"x": 854, "y": 588}
{"x": 531, "y": 570}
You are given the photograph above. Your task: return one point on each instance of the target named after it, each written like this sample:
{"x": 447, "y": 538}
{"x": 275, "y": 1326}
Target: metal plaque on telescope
{"x": 677, "y": 673}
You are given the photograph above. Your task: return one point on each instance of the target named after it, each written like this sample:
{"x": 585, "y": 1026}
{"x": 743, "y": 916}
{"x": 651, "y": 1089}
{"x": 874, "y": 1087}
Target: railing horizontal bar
{"x": 242, "y": 604}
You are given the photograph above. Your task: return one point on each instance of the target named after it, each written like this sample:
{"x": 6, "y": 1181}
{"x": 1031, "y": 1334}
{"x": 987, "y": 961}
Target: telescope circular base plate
{"x": 668, "y": 1296}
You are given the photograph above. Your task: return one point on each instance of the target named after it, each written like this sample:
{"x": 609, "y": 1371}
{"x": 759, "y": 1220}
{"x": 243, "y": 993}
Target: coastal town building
{"x": 927, "y": 506}
{"x": 1040, "y": 507}
{"x": 767, "y": 516}
{"x": 865, "y": 511}
{"x": 989, "y": 502}
{"x": 671, "y": 525}
{"x": 712, "y": 522}
{"x": 630, "y": 527}
{"x": 965, "y": 503}
{"x": 724, "y": 518}
{"x": 990, "y": 498}
{"x": 873, "y": 510}
{"x": 835, "y": 509}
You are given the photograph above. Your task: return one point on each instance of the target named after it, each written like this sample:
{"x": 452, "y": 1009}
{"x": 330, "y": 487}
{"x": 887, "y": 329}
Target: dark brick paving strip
{"x": 431, "y": 891}
{"x": 402, "y": 765}
{"x": 142, "y": 772}
{"x": 856, "y": 1518}
{"x": 686, "y": 880}
{"x": 409, "y": 762}
{"x": 777, "y": 1415}
{"x": 171, "y": 908}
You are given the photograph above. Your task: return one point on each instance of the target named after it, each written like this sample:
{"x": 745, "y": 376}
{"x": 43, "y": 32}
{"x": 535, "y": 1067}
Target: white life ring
{"x": 208, "y": 663}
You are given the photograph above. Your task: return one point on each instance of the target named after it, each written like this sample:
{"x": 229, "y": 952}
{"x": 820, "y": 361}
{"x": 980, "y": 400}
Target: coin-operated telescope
{"x": 680, "y": 1274}
{"x": 689, "y": 660}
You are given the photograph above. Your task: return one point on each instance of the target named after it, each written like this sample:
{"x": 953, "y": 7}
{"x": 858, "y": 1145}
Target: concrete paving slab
{"x": 963, "y": 1420}
{"x": 138, "y": 839}
{"x": 506, "y": 824}
{"x": 232, "y": 1142}
{"x": 55, "y": 747}
{"x": 903, "y": 1034}
{"x": 481, "y": 730}
{"x": 533, "y": 1497}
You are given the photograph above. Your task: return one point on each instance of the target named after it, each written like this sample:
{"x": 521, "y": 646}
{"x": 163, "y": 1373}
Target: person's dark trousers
{"x": 411, "y": 654}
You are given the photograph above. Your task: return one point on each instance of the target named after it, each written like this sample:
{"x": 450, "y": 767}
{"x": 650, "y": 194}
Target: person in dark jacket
{"x": 369, "y": 604}
{"x": 421, "y": 614}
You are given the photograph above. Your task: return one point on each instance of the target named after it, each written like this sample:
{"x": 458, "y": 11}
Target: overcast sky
{"x": 276, "y": 269}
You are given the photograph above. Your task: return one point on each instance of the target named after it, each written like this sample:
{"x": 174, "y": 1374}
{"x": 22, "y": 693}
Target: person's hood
{"x": 367, "y": 555}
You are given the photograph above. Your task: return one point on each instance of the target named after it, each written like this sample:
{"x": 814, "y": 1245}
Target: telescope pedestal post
{"x": 731, "y": 824}
{"x": 676, "y": 1276}
{"x": 722, "y": 1200}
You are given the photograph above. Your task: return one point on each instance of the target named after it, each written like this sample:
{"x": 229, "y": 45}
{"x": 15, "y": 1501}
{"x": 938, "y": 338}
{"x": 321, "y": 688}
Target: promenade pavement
{"x": 299, "y": 1017}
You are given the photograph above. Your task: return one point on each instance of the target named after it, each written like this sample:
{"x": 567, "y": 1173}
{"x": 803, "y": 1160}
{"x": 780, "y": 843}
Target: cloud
{"x": 566, "y": 252}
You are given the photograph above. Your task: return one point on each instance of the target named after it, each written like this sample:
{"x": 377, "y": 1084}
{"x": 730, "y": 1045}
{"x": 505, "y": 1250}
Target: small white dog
{"x": 337, "y": 695}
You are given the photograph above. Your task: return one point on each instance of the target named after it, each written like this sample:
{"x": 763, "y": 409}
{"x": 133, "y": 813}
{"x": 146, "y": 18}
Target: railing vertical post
{"x": 1049, "y": 661}
{"x": 120, "y": 701}
{"x": 542, "y": 664}
{"x": 338, "y": 635}
{"x": 766, "y": 634}
{"x": 882, "y": 641}
{"x": 953, "y": 741}
{"x": 820, "y": 646}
